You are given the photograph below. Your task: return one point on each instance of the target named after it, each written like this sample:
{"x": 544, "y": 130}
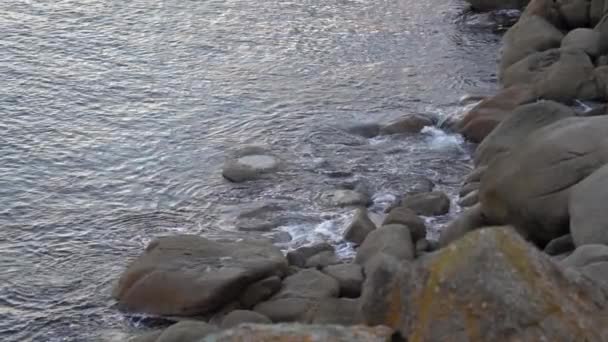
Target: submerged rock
{"x": 248, "y": 163}
{"x": 408, "y": 124}
{"x": 345, "y": 198}
{"x": 189, "y": 275}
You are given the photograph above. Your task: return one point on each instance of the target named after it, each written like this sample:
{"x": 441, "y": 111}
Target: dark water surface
{"x": 115, "y": 115}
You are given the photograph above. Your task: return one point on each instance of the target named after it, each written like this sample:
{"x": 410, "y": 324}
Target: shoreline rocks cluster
{"x": 527, "y": 259}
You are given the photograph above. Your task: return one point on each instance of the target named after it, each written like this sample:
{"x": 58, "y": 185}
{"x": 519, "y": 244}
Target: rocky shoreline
{"x": 526, "y": 261}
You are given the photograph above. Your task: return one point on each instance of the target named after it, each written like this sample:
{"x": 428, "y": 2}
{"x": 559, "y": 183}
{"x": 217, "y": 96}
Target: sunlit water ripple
{"x": 115, "y": 116}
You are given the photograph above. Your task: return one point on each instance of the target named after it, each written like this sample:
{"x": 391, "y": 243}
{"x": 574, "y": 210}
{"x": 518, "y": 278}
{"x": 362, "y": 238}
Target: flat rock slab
{"x": 344, "y": 198}
{"x": 186, "y": 275}
{"x": 248, "y": 163}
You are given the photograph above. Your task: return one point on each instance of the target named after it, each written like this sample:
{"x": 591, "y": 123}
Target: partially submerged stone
{"x": 360, "y": 226}
{"x": 249, "y": 163}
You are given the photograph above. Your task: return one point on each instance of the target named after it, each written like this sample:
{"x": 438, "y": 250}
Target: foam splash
{"x": 440, "y": 140}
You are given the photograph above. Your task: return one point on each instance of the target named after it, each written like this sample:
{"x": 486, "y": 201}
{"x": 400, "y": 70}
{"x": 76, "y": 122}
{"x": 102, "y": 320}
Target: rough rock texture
{"x": 407, "y": 217}
{"x": 467, "y": 221}
{"x": 586, "y": 255}
{"x": 530, "y": 35}
{"x": 519, "y": 125}
{"x": 428, "y": 204}
{"x": 394, "y": 240}
{"x": 481, "y": 119}
{"x": 360, "y": 226}
{"x": 186, "y": 331}
{"x": 557, "y": 74}
{"x": 302, "y": 333}
{"x": 349, "y": 277}
{"x": 561, "y": 245}
{"x": 243, "y": 316}
{"x": 489, "y": 5}
{"x": 299, "y": 256}
{"x": 248, "y": 163}
{"x": 259, "y": 291}
{"x": 587, "y": 208}
{"x": 529, "y": 186}
{"x": 408, "y": 124}
{"x": 585, "y": 39}
{"x": 489, "y": 286}
{"x": 190, "y": 275}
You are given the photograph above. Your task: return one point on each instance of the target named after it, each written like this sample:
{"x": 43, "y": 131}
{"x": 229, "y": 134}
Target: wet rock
{"x": 249, "y": 163}
{"x": 557, "y": 74}
{"x": 489, "y": 286}
{"x": 574, "y": 12}
{"x": 422, "y": 246}
{"x": 260, "y": 291}
{"x": 421, "y": 185}
{"x": 408, "y": 124}
{"x": 530, "y": 35}
{"x": 469, "y": 200}
{"x": 529, "y": 186}
{"x": 490, "y": 5}
{"x": 523, "y": 122}
{"x": 428, "y": 204}
{"x": 299, "y": 256}
{"x": 349, "y": 277}
{"x": 561, "y": 245}
{"x": 366, "y": 130}
{"x": 481, "y": 119}
{"x": 468, "y": 188}
{"x": 345, "y": 198}
{"x": 186, "y": 331}
{"x": 322, "y": 259}
{"x": 243, "y": 316}
{"x": 586, "y": 255}
{"x": 393, "y": 239}
{"x": 466, "y": 222}
{"x": 584, "y": 39}
{"x": 281, "y": 237}
{"x": 407, "y": 217}
{"x": 302, "y": 333}
{"x": 308, "y": 283}
{"x": 475, "y": 175}
{"x": 189, "y": 275}
{"x": 343, "y": 311}
{"x": 360, "y": 226}
{"x": 587, "y": 208}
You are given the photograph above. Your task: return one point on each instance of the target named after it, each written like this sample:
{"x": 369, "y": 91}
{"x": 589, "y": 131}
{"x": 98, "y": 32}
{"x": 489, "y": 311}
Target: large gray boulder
{"x": 557, "y": 74}
{"x": 587, "y": 208}
{"x": 260, "y": 291}
{"x": 519, "y": 125}
{"x": 530, "y": 185}
{"x": 394, "y": 240}
{"x": 300, "y": 255}
{"x": 407, "y": 217}
{"x": 189, "y": 275}
{"x": 586, "y": 255}
{"x": 530, "y": 35}
{"x": 433, "y": 203}
{"x": 490, "y": 285}
{"x": 584, "y": 39}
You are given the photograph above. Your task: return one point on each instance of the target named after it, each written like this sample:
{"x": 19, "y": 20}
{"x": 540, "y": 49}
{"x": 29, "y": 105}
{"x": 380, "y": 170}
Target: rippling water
{"x": 115, "y": 116}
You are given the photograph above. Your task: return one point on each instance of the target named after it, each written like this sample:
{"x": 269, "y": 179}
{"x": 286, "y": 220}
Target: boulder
{"x": 466, "y": 222}
{"x": 586, "y": 255}
{"x": 189, "y": 275}
{"x": 469, "y": 200}
{"x": 286, "y": 309}
{"x": 428, "y": 204}
{"x": 186, "y": 331}
{"x": 530, "y": 35}
{"x": 349, "y": 277}
{"x": 475, "y": 175}
{"x": 556, "y": 74}
{"x": 468, "y": 188}
{"x": 343, "y": 311}
{"x": 559, "y": 246}
{"x": 598, "y": 272}
{"x": 302, "y": 333}
{"x": 407, "y": 217}
{"x": 487, "y": 114}
{"x": 421, "y": 184}
{"x": 546, "y": 9}
{"x": 520, "y": 124}
{"x": 345, "y": 198}
{"x": 322, "y": 259}
{"x": 490, "y": 285}
{"x": 602, "y": 28}
{"x": 491, "y": 5}
{"x": 529, "y": 186}
{"x": 393, "y": 239}
{"x": 308, "y": 283}
{"x": 249, "y": 163}
{"x": 299, "y": 256}
{"x": 584, "y": 39}
{"x": 243, "y": 316}
{"x": 596, "y": 11}
{"x": 574, "y": 12}
{"x": 360, "y": 226}
{"x": 407, "y": 125}
{"x": 587, "y": 208}
{"x": 422, "y": 246}
{"x": 601, "y": 79}
{"x": 260, "y": 291}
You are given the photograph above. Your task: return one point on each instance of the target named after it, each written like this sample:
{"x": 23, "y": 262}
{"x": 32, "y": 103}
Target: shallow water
{"x": 115, "y": 116}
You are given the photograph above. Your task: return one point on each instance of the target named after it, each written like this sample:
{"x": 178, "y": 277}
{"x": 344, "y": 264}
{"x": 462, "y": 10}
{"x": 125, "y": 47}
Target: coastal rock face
{"x": 556, "y": 74}
{"x": 302, "y": 333}
{"x": 408, "y": 124}
{"x": 481, "y": 119}
{"x": 248, "y": 163}
{"x": 394, "y": 240}
{"x": 587, "y": 207}
{"x": 519, "y": 125}
{"x": 490, "y": 285}
{"x": 529, "y": 186}
{"x": 428, "y": 204}
{"x": 360, "y": 226}
{"x": 189, "y": 275}
{"x": 490, "y": 5}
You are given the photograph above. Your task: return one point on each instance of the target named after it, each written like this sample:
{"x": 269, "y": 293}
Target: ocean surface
{"x": 115, "y": 117}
